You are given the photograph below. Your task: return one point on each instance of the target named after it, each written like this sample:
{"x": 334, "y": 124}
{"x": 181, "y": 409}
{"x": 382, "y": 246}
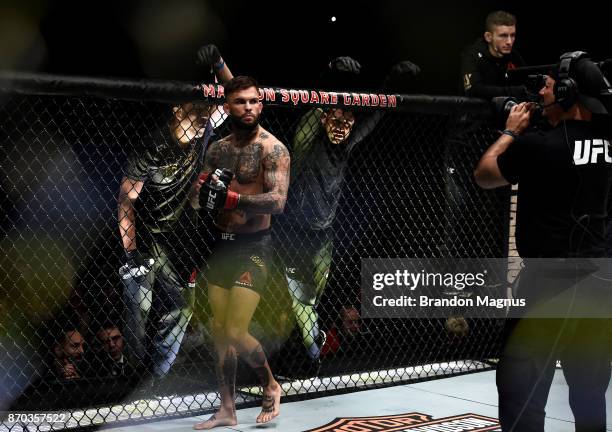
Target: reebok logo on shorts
{"x": 245, "y": 280}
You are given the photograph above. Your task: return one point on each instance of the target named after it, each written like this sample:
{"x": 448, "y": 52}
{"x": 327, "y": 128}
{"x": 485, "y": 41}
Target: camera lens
{"x": 509, "y": 105}
{"x": 503, "y": 105}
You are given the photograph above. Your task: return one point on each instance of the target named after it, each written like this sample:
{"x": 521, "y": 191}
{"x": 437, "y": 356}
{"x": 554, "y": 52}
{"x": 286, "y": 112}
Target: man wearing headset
{"x": 565, "y": 177}
{"x": 485, "y": 63}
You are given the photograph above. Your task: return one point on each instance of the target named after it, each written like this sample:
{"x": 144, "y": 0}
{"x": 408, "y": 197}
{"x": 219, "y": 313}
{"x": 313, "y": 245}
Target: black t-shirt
{"x": 565, "y": 177}
{"x": 315, "y": 193}
{"x": 168, "y": 172}
{"x": 317, "y": 173}
{"x": 486, "y": 76}
{"x": 318, "y": 168}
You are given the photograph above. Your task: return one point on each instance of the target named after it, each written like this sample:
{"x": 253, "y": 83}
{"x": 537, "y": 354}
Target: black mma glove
{"x": 136, "y": 264}
{"x": 214, "y": 193}
{"x": 401, "y": 70}
{"x": 209, "y": 55}
{"x": 345, "y": 64}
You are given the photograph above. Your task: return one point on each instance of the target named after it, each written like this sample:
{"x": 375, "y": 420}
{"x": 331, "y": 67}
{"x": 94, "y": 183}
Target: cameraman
{"x": 564, "y": 187}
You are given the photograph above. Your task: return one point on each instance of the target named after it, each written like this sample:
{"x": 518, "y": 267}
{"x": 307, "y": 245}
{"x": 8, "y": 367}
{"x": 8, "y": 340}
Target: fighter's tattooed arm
{"x": 213, "y": 154}
{"x": 276, "y": 183}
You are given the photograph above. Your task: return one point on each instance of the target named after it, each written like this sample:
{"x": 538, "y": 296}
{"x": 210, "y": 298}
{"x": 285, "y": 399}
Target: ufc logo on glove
{"x": 210, "y": 203}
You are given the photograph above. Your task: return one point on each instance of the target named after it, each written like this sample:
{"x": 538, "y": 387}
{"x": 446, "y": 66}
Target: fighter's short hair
{"x": 499, "y": 18}
{"x": 238, "y": 83}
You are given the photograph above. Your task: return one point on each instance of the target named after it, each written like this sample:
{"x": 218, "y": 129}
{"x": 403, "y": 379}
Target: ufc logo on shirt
{"x": 589, "y": 152}
{"x": 228, "y": 236}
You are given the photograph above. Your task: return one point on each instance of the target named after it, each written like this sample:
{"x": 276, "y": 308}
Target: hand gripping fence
{"x": 77, "y": 340}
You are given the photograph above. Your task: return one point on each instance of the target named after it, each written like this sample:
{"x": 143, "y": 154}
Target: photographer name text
{"x": 425, "y": 301}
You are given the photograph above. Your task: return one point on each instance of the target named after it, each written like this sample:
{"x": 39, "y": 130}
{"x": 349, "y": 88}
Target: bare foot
{"x": 270, "y": 407}
{"x": 217, "y": 419}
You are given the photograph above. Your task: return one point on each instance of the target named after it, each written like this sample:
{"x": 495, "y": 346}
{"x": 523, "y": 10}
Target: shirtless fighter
{"x": 244, "y": 181}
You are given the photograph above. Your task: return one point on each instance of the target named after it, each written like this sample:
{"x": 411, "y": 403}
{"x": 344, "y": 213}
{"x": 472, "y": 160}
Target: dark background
{"x": 285, "y": 44}
{"x": 280, "y": 45}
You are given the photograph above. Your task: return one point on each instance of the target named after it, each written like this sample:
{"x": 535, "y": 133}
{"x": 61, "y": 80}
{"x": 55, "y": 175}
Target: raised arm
{"x": 488, "y": 174}
{"x": 128, "y": 194}
{"x": 209, "y": 56}
{"x": 395, "y": 79}
{"x": 303, "y": 140}
{"x": 364, "y": 127}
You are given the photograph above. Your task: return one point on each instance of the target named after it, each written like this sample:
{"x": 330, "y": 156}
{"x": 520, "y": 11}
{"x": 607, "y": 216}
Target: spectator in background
{"x": 111, "y": 358}
{"x": 345, "y": 337}
{"x": 68, "y": 352}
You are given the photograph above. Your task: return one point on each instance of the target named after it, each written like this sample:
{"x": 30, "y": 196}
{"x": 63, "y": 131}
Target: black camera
{"x": 502, "y": 106}
{"x": 534, "y": 84}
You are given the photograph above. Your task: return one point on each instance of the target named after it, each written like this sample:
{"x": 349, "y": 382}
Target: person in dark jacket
{"x": 562, "y": 214}
{"x": 486, "y": 62}
{"x": 320, "y": 150}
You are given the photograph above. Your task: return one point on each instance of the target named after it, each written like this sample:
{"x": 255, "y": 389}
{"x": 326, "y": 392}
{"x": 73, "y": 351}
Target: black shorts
{"x": 241, "y": 260}
{"x": 174, "y": 264}
{"x": 305, "y": 255}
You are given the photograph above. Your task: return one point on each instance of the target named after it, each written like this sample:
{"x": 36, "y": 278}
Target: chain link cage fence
{"x": 87, "y": 340}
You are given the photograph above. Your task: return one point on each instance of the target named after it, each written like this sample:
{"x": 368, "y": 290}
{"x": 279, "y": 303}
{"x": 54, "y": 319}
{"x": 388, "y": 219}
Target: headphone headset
{"x": 566, "y": 88}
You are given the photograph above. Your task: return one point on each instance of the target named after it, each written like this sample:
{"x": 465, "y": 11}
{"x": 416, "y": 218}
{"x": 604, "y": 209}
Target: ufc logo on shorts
{"x": 210, "y": 203}
{"x": 589, "y": 152}
{"x": 228, "y": 236}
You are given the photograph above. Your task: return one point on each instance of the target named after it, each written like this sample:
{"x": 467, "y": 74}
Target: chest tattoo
{"x": 245, "y": 162}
